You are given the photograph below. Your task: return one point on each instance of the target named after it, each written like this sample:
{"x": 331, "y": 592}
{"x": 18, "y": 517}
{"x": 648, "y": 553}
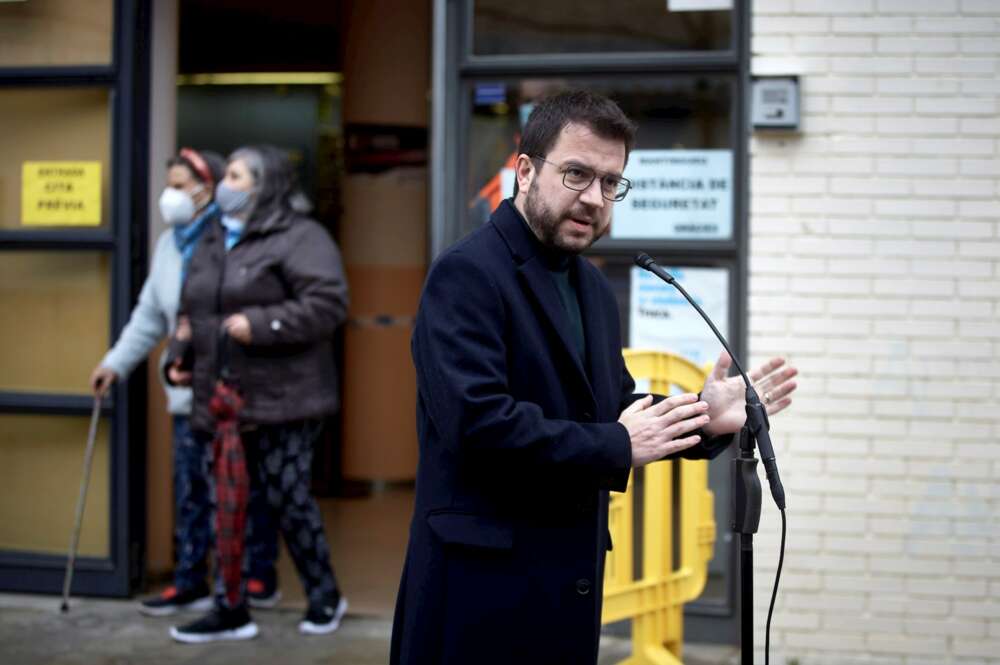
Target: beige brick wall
{"x": 875, "y": 266}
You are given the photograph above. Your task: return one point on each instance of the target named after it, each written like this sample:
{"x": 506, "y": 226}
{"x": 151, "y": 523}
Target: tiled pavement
{"x": 110, "y": 632}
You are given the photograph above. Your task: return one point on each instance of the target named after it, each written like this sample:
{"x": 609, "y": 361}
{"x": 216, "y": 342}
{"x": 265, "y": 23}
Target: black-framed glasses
{"x": 578, "y": 178}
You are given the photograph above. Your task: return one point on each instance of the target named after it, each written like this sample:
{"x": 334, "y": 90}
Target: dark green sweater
{"x": 560, "y": 271}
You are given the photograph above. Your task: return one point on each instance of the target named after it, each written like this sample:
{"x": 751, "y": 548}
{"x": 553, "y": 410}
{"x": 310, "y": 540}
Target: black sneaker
{"x": 262, "y": 595}
{"x": 172, "y": 600}
{"x": 323, "y": 618}
{"x": 219, "y": 624}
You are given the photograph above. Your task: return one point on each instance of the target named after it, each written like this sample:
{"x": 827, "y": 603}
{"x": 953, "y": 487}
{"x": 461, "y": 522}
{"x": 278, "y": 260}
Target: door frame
{"x": 127, "y": 80}
{"x": 453, "y": 66}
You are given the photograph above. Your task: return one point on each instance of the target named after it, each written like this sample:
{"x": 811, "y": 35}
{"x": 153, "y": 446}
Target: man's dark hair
{"x": 592, "y": 110}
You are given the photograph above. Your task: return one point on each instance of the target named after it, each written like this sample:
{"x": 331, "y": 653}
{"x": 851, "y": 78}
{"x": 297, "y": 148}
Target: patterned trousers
{"x": 279, "y": 461}
{"x": 193, "y": 513}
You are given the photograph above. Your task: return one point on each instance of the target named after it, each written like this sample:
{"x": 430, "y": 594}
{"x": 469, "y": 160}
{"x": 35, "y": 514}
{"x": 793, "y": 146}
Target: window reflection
{"x": 677, "y": 113}
{"x": 55, "y": 32}
{"x": 511, "y": 27}
{"x": 67, "y": 125}
{"x": 39, "y": 481}
{"x": 61, "y": 327}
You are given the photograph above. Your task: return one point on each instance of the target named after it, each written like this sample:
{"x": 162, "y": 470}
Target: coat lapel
{"x": 536, "y": 280}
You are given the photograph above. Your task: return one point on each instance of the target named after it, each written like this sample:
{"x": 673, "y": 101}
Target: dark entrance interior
{"x": 342, "y": 86}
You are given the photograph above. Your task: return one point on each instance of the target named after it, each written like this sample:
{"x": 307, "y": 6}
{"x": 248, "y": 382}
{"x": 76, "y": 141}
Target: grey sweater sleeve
{"x": 146, "y": 326}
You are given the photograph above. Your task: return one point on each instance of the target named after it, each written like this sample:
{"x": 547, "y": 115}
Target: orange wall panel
{"x": 159, "y": 473}
{"x": 385, "y": 290}
{"x": 379, "y": 403}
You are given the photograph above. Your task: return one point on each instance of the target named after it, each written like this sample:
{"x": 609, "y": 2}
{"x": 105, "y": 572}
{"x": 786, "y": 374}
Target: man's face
{"x": 560, "y": 217}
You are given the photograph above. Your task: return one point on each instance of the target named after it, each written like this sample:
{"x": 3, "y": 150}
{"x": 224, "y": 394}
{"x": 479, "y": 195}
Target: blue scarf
{"x": 234, "y": 230}
{"x": 186, "y": 236}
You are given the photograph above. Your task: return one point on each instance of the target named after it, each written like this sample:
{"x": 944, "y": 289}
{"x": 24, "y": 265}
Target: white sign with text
{"x": 660, "y": 319}
{"x": 698, "y": 5}
{"x": 677, "y": 194}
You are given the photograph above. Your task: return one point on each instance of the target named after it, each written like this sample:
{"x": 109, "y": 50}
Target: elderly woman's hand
{"x": 178, "y": 376}
{"x": 238, "y": 327}
{"x": 183, "y": 331}
{"x": 101, "y": 379}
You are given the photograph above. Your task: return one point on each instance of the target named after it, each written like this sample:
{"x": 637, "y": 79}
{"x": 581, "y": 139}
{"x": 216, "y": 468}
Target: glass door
{"x": 72, "y": 208}
{"x": 681, "y": 75}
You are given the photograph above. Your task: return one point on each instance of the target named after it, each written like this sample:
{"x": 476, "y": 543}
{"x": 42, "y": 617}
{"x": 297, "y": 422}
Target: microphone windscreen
{"x": 643, "y": 260}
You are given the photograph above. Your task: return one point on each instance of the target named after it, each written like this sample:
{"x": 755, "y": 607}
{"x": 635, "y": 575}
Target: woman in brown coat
{"x": 264, "y": 293}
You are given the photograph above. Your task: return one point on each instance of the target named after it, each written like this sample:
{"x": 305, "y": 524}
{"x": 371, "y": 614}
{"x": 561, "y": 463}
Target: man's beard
{"x": 545, "y": 223}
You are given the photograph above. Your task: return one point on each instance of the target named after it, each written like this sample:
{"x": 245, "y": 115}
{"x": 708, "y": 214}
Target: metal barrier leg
{"x": 653, "y": 656}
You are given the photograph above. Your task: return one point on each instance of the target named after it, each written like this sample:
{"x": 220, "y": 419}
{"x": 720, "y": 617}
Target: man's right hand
{"x": 658, "y": 430}
{"x": 101, "y": 379}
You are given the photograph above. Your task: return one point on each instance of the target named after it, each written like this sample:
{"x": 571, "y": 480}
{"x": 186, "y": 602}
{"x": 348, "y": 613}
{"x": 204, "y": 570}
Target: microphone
{"x": 756, "y": 413}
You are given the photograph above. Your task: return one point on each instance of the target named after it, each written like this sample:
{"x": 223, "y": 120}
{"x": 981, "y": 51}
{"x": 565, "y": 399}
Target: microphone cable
{"x": 774, "y": 592}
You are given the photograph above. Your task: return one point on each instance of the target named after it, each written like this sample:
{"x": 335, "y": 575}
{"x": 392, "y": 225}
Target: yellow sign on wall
{"x": 61, "y": 194}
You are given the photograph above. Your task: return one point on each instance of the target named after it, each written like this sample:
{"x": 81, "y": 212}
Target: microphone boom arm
{"x": 757, "y": 420}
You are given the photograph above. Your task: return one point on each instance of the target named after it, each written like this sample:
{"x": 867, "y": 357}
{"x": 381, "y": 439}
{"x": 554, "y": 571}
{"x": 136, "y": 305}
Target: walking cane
{"x": 88, "y": 456}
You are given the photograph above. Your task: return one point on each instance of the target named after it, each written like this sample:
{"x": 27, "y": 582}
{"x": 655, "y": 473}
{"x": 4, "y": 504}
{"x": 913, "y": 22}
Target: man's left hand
{"x": 726, "y": 396}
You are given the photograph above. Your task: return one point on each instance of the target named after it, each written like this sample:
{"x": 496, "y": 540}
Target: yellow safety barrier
{"x": 676, "y": 502}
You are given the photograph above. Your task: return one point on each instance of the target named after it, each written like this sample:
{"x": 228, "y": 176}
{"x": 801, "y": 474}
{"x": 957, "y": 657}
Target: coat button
{"x": 275, "y": 325}
{"x": 583, "y": 586}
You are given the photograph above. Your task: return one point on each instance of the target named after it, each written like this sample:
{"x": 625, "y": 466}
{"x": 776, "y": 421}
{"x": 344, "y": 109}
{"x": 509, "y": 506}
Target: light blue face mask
{"x": 231, "y": 200}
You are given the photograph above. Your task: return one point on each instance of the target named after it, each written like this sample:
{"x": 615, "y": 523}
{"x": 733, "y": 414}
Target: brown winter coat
{"x": 285, "y": 274}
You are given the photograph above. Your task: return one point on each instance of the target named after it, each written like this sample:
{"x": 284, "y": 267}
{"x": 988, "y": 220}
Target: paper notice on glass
{"x": 61, "y": 194}
{"x": 698, "y": 5}
{"x": 677, "y": 194}
{"x": 660, "y": 319}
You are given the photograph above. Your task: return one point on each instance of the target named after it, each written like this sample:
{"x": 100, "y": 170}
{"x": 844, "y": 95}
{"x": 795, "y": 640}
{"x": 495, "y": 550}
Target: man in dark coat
{"x": 526, "y": 414}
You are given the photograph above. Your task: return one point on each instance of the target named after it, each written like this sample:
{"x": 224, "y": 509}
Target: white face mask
{"x": 176, "y": 206}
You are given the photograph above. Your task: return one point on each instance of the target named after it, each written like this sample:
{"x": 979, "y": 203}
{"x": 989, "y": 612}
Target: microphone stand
{"x": 746, "y": 494}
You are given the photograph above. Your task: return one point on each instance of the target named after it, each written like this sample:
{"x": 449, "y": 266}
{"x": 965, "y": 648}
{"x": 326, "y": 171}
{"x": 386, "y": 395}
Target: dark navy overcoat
{"x": 519, "y": 446}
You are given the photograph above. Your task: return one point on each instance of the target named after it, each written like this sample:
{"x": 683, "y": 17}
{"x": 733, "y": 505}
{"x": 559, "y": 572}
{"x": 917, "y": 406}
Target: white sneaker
{"x": 323, "y": 619}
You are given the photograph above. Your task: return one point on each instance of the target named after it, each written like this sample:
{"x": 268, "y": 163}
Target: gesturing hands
{"x": 726, "y": 396}
{"x": 658, "y": 430}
